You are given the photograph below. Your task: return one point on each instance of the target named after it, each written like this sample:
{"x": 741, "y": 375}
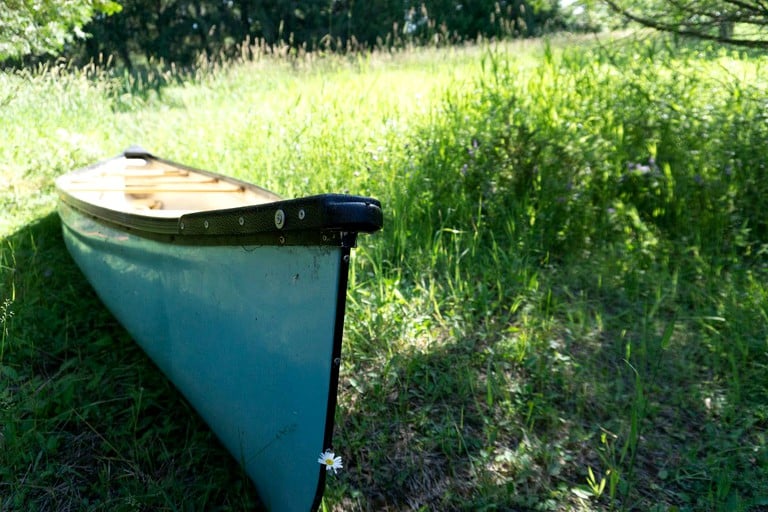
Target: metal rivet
{"x": 346, "y": 258}
{"x": 279, "y": 219}
{"x": 241, "y": 221}
{"x": 325, "y": 238}
{"x": 301, "y": 214}
{"x": 281, "y": 239}
{"x": 181, "y": 226}
{"x": 205, "y": 224}
{"x": 337, "y": 361}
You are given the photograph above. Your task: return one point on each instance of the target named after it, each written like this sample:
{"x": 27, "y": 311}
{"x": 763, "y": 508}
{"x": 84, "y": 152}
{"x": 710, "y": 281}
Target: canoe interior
{"x": 160, "y": 199}
{"x": 152, "y": 187}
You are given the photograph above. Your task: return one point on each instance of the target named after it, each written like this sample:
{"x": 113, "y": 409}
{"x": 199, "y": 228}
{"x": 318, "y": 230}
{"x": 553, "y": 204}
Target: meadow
{"x": 567, "y": 308}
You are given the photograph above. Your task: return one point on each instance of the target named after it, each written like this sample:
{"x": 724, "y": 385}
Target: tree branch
{"x": 684, "y": 29}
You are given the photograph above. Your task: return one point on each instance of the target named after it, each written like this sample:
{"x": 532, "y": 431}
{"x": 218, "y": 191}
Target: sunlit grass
{"x": 566, "y": 308}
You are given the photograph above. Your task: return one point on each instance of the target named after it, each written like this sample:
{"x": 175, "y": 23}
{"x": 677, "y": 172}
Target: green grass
{"x": 567, "y": 308}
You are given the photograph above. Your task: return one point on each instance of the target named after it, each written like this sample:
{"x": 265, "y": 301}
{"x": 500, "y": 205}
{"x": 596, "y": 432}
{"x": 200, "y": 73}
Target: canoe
{"x": 237, "y": 296}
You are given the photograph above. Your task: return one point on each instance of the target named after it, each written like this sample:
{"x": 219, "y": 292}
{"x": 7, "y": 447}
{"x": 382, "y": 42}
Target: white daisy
{"x": 331, "y": 462}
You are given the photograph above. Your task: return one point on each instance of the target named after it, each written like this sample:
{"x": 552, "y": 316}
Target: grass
{"x": 566, "y": 309}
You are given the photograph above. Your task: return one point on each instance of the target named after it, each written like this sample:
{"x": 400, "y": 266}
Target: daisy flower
{"x": 331, "y": 462}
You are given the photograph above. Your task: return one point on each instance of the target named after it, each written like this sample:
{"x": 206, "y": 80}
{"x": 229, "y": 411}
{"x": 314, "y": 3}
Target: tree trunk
{"x": 726, "y": 29}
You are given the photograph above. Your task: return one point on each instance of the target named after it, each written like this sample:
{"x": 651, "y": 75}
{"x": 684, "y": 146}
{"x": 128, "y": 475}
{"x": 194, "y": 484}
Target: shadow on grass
{"x": 651, "y": 393}
{"x": 86, "y": 421}
{"x": 459, "y": 426}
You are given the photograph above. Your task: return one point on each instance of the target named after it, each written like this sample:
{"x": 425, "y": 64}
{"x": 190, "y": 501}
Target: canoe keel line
{"x": 241, "y": 307}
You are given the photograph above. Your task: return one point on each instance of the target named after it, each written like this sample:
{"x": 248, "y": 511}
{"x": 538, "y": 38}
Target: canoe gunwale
{"x": 224, "y": 226}
{"x": 326, "y": 219}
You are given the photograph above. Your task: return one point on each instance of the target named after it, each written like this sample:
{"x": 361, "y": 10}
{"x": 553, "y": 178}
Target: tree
{"x": 714, "y": 20}
{"x": 44, "y": 26}
{"x": 180, "y": 30}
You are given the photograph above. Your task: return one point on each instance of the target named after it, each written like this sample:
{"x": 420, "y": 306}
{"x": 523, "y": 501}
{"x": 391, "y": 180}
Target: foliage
{"x": 44, "y": 26}
{"x": 179, "y": 31}
{"x": 589, "y": 16}
{"x": 737, "y": 22}
{"x": 566, "y": 309}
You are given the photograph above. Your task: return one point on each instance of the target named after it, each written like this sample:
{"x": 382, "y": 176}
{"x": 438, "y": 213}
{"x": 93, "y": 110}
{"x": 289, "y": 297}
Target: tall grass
{"x": 566, "y": 308}
{"x": 567, "y": 252}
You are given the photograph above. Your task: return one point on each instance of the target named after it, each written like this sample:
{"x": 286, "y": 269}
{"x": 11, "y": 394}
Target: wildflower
{"x": 642, "y": 169}
{"x": 331, "y": 462}
{"x": 5, "y": 311}
{"x": 473, "y": 149}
